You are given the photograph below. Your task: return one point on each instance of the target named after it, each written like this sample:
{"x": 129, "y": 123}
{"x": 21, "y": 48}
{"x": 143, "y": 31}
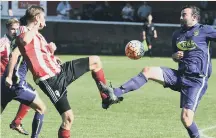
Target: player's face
{"x": 13, "y": 29}
{"x": 150, "y": 18}
{"x": 187, "y": 18}
{"x": 42, "y": 20}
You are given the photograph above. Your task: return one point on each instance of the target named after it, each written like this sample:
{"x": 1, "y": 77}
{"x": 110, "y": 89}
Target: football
{"x": 134, "y": 49}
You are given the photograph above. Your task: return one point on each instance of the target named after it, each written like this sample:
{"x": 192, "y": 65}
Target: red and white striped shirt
{"x": 39, "y": 59}
{"x": 5, "y": 52}
{"x": 5, "y": 48}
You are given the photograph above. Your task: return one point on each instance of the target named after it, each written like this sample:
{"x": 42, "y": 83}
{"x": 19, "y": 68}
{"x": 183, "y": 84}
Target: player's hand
{"x": 150, "y": 47}
{"x": 8, "y": 82}
{"x": 178, "y": 55}
{"x": 155, "y": 36}
{"x": 144, "y": 38}
{"x": 58, "y": 60}
{"x": 52, "y": 47}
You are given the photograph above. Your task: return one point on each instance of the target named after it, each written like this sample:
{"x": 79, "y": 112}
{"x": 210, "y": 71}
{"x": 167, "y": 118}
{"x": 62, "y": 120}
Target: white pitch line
{"x": 204, "y": 136}
{"x": 205, "y": 129}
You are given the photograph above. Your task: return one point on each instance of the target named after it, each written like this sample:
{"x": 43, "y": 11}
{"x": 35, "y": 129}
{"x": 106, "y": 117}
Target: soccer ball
{"x": 134, "y": 49}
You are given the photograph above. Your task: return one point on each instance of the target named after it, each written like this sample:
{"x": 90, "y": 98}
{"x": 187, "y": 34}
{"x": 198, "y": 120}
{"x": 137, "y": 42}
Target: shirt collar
{"x": 8, "y": 37}
{"x": 186, "y": 29}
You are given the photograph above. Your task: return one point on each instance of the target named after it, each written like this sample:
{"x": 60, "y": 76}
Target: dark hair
{"x": 11, "y": 21}
{"x": 33, "y": 11}
{"x": 23, "y": 20}
{"x": 195, "y": 10}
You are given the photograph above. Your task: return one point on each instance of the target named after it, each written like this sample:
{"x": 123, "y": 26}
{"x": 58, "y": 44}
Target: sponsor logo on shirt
{"x": 196, "y": 32}
{"x": 186, "y": 45}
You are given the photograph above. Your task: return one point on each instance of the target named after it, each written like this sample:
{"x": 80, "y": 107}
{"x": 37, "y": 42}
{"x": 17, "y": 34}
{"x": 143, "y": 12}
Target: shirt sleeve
{"x": 211, "y": 33}
{"x": 153, "y": 25}
{"x": 144, "y": 27}
{"x": 174, "y": 47}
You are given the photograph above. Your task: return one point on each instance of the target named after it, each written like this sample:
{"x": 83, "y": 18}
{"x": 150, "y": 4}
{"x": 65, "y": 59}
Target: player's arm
{"x": 144, "y": 35}
{"x": 155, "y": 33}
{"x": 211, "y": 33}
{"x": 58, "y": 60}
{"x": 177, "y": 55}
{"x": 51, "y": 47}
{"x": 11, "y": 64}
{"x": 26, "y": 37}
{"x": 144, "y": 27}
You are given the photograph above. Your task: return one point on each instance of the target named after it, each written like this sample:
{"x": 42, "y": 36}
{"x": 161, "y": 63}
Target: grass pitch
{"x": 150, "y": 112}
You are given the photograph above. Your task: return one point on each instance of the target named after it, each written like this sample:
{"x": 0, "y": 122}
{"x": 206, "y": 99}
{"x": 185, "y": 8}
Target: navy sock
{"x": 37, "y": 124}
{"x": 193, "y": 131}
{"x": 133, "y": 84}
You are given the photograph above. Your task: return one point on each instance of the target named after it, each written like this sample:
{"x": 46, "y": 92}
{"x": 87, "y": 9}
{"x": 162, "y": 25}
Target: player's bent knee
{"x": 95, "y": 62}
{"x": 154, "y": 73}
{"x": 186, "y": 121}
{"x": 147, "y": 72}
{"x": 187, "y": 117}
{"x": 94, "y": 59}
{"x": 67, "y": 118}
{"x": 41, "y": 109}
{"x": 38, "y": 105}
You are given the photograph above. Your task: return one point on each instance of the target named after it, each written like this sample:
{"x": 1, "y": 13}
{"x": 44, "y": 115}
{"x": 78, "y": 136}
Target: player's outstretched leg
{"x": 37, "y": 123}
{"x": 95, "y": 66}
{"x": 148, "y": 73}
{"x": 16, "y": 123}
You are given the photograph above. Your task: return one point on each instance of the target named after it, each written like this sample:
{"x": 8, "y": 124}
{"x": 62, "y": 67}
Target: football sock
{"x": 193, "y": 131}
{"x": 133, "y": 84}
{"x": 63, "y": 133}
{"x": 99, "y": 76}
{"x": 37, "y": 124}
{"x": 21, "y": 113}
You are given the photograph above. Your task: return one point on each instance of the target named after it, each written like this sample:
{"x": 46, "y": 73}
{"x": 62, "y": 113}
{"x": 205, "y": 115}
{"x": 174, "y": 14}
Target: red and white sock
{"x": 22, "y": 112}
{"x": 63, "y": 133}
{"x": 100, "y": 77}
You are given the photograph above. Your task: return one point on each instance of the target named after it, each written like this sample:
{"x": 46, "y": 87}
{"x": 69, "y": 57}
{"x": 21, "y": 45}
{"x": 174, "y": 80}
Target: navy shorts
{"x": 191, "y": 87}
{"x": 22, "y": 92}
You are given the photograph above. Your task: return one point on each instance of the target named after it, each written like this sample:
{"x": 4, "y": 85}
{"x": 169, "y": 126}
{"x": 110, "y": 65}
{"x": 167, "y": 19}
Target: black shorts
{"x": 56, "y": 87}
{"x": 149, "y": 40}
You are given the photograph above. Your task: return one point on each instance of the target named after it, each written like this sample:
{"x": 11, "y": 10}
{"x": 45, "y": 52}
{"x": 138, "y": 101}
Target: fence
{"x": 99, "y": 37}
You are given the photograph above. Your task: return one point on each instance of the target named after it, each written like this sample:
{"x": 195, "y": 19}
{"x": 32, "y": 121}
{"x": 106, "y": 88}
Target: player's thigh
{"x": 148, "y": 40}
{"x": 62, "y": 105}
{"x": 25, "y": 93}
{"x": 95, "y": 63}
{"x": 55, "y": 89}
{"x": 171, "y": 78}
{"x": 75, "y": 68}
{"x": 38, "y": 105}
{"x": 154, "y": 73}
{"x": 191, "y": 95}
